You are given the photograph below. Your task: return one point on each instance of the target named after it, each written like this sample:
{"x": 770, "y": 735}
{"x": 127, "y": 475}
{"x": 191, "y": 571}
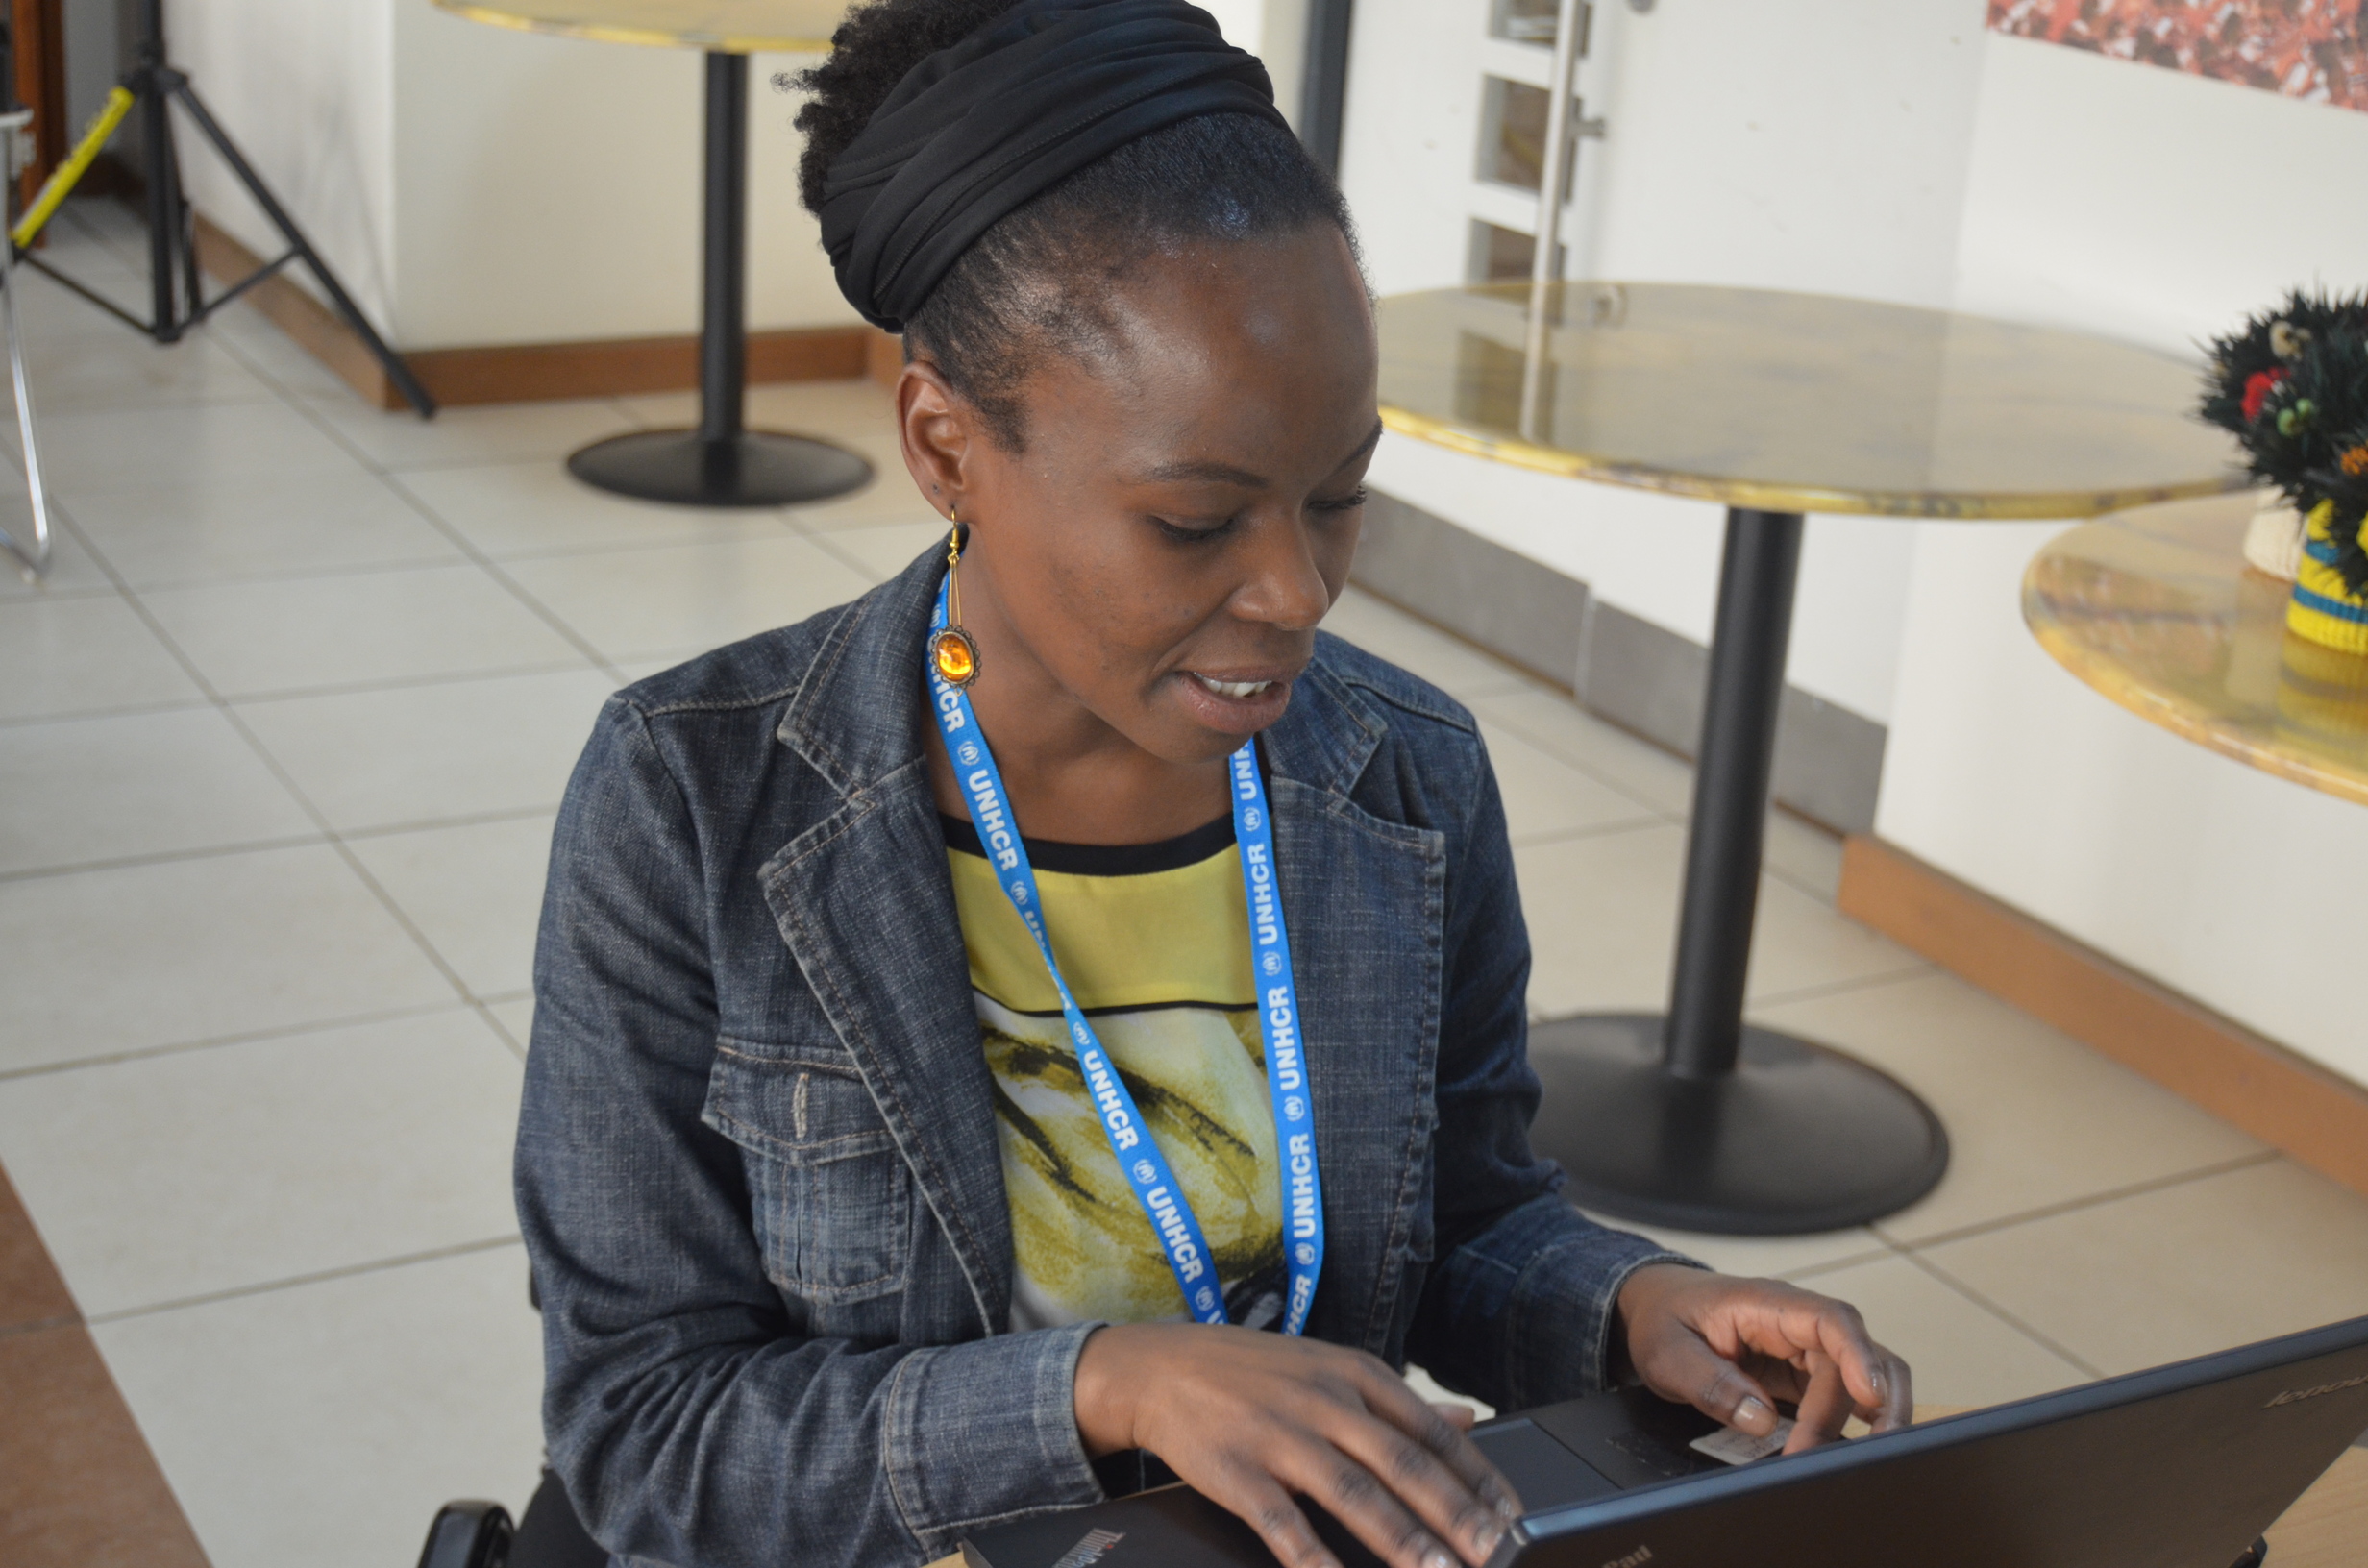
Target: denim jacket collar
{"x": 871, "y": 878}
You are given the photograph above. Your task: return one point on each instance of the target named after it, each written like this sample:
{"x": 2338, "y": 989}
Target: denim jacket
{"x": 757, "y": 1166}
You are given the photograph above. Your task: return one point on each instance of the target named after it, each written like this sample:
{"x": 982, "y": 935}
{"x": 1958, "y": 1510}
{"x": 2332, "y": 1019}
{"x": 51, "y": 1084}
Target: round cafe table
{"x": 1775, "y": 405}
{"x": 2157, "y": 609}
{"x": 722, "y": 462}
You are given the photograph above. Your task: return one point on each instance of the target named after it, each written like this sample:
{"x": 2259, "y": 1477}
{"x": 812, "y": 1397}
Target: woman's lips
{"x": 1235, "y": 701}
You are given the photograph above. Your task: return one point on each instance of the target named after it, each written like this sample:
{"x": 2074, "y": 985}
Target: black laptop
{"x": 2182, "y": 1466}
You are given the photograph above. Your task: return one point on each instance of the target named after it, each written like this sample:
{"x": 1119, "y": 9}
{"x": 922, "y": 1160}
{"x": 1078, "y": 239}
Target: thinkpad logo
{"x": 2295, "y": 1396}
{"x": 1089, "y": 1551}
{"x": 1634, "y": 1559}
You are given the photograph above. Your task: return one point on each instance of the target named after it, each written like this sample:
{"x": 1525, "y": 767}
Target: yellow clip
{"x": 61, "y": 182}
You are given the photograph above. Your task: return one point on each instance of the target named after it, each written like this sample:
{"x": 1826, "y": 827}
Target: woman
{"x": 861, "y": 1217}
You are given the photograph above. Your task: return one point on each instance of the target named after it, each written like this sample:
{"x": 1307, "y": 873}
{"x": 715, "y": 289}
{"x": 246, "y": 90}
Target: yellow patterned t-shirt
{"x": 1154, "y": 942}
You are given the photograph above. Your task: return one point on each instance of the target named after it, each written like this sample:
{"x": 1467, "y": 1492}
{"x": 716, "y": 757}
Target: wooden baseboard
{"x": 883, "y": 359}
{"x": 2254, "y": 1083}
{"x": 535, "y": 372}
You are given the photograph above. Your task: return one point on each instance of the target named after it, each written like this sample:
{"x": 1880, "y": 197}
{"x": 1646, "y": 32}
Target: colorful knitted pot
{"x": 2321, "y": 689}
{"x": 2323, "y": 608}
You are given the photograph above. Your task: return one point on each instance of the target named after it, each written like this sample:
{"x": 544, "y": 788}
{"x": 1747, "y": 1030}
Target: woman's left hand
{"x": 1731, "y": 1348}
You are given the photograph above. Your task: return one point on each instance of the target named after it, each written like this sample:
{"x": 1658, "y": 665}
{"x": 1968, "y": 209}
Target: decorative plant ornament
{"x": 2273, "y": 538}
{"x": 2325, "y": 607}
{"x": 2292, "y": 387}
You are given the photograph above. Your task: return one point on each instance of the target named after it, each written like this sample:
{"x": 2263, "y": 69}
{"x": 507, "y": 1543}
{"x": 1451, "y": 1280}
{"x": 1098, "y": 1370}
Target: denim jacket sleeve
{"x": 690, "y": 1418}
{"x": 1519, "y": 1310}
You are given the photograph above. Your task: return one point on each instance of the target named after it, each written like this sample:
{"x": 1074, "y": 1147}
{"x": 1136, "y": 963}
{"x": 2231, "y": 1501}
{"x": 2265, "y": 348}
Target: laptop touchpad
{"x": 1546, "y": 1474}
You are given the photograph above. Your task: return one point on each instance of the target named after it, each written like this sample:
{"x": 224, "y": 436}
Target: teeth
{"x": 1234, "y": 688}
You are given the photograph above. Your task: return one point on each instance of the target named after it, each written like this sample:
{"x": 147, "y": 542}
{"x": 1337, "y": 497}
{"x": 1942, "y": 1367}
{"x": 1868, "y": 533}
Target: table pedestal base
{"x": 754, "y": 468}
{"x": 1796, "y": 1138}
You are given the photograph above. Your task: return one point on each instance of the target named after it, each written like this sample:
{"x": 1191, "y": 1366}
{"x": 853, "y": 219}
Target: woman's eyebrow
{"x": 1205, "y": 471}
{"x": 1371, "y": 440}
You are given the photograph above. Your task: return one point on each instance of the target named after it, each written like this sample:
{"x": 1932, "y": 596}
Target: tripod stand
{"x": 177, "y": 299}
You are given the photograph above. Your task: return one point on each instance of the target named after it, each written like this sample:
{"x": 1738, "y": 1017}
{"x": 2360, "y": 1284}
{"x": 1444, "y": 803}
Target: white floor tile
{"x": 271, "y": 354}
{"x": 71, "y": 569}
{"x": 516, "y": 1019}
{"x": 503, "y": 432}
{"x": 882, "y": 550}
{"x": 266, "y": 1161}
{"x": 1635, "y": 767}
{"x": 888, "y": 499}
{"x": 1546, "y": 797}
{"x": 1805, "y": 854}
{"x": 417, "y": 756}
{"x": 475, "y": 892}
{"x": 83, "y": 371}
{"x": 685, "y": 599}
{"x": 81, "y": 791}
{"x": 259, "y": 525}
{"x": 1958, "y": 1353}
{"x": 1458, "y": 669}
{"x": 2034, "y": 1118}
{"x": 1602, "y": 914}
{"x": 536, "y": 508}
{"x": 294, "y": 634}
{"x": 2180, "y": 1272}
{"x": 83, "y": 655}
{"x": 328, "y": 1422}
{"x": 204, "y": 443}
{"x": 1771, "y": 1257}
{"x": 141, "y": 956}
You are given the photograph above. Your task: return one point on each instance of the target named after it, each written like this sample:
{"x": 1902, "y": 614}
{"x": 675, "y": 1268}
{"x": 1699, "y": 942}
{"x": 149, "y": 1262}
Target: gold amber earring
{"x": 951, "y": 652}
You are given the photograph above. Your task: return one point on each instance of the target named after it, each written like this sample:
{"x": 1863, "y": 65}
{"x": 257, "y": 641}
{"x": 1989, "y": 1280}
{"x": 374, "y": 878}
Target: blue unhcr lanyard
{"x": 1146, "y": 1171}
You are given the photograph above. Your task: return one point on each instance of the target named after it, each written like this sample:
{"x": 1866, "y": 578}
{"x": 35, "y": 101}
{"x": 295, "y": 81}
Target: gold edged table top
{"x": 2157, "y": 610}
{"x": 1800, "y": 401}
{"x": 733, "y": 27}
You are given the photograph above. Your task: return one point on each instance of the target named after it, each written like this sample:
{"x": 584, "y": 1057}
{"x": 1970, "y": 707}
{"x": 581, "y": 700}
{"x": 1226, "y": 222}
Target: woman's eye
{"x": 1340, "y": 503}
{"x": 1186, "y": 534}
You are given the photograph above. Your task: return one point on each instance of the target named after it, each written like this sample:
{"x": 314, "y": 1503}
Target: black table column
{"x": 722, "y": 463}
{"x": 1697, "y": 1121}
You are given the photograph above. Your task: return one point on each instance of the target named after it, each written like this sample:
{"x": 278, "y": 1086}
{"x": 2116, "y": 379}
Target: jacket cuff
{"x": 986, "y": 1432}
{"x": 1568, "y": 1296}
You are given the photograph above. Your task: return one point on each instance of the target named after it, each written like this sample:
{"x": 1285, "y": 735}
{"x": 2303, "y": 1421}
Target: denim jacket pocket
{"x": 831, "y": 1198}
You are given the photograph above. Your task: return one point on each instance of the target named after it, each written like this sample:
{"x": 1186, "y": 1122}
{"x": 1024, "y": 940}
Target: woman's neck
{"x": 1068, "y": 774}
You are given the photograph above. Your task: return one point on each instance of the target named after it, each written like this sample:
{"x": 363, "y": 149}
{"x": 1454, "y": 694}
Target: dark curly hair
{"x": 1040, "y": 278}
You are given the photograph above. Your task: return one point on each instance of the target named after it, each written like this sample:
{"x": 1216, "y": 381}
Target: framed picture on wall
{"x": 2310, "y": 49}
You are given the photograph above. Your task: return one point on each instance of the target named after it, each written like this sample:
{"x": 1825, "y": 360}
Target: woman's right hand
{"x": 1251, "y": 1419}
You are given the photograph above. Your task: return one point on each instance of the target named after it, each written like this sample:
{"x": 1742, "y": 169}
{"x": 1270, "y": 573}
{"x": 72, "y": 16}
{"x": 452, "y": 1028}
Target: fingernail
{"x": 1507, "y": 1510}
{"x": 1438, "y": 1559}
{"x": 1487, "y": 1537}
{"x": 1751, "y": 1413}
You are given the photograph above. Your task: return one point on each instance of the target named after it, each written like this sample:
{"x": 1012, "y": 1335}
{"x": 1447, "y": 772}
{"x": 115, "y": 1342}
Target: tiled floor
{"x": 279, "y": 744}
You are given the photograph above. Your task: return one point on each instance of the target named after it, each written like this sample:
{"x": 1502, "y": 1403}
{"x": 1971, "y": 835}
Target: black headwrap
{"x": 975, "y": 131}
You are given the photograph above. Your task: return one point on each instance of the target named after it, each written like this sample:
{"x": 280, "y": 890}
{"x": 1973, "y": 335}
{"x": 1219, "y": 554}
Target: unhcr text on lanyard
{"x": 1146, "y": 1171}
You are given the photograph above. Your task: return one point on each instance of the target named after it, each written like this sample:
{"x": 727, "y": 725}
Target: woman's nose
{"x": 1285, "y": 588}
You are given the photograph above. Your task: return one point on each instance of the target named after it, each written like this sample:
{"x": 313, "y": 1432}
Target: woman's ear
{"x": 936, "y": 428}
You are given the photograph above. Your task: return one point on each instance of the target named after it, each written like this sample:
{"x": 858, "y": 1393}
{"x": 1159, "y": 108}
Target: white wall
{"x": 2155, "y": 206}
{"x": 1813, "y": 147}
{"x": 305, "y": 91}
{"x": 1894, "y": 149}
{"x": 548, "y": 189}
{"x": 476, "y": 186}
{"x": 94, "y": 60}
